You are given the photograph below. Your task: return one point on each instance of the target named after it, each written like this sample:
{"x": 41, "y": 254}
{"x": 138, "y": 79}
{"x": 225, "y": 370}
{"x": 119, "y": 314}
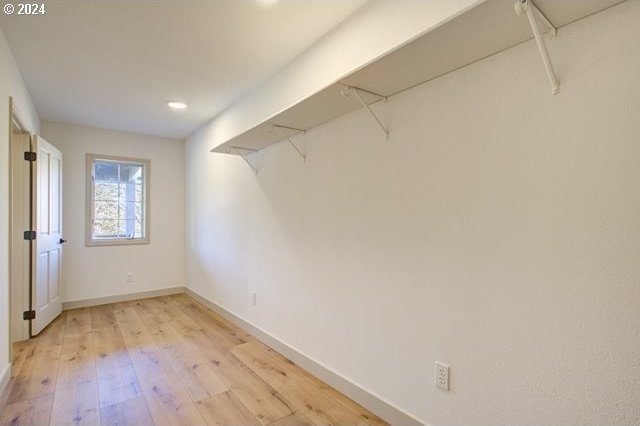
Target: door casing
{"x": 19, "y": 142}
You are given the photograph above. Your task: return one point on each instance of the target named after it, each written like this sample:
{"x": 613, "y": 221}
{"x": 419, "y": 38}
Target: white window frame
{"x": 90, "y": 202}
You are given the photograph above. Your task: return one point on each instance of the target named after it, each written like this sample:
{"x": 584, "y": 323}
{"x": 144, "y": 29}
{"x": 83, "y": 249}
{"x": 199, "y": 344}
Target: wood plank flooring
{"x": 163, "y": 361}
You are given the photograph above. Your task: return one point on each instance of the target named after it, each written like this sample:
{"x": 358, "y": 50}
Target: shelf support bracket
{"x": 281, "y": 130}
{"x": 529, "y": 8}
{"x": 356, "y": 91}
{"x": 239, "y": 152}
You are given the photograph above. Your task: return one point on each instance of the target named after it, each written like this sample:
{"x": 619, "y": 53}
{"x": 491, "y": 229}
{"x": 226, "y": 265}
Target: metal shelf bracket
{"x": 282, "y": 131}
{"x": 239, "y": 151}
{"x": 529, "y": 8}
{"x": 356, "y": 91}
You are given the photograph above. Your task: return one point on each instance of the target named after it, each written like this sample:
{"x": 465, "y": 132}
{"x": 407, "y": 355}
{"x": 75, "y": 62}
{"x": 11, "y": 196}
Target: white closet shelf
{"x": 488, "y": 28}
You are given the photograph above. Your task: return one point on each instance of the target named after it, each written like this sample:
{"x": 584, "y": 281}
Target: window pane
{"x": 139, "y": 209}
{"x": 139, "y": 193}
{"x": 129, "y": 219}
{"x": 106, "y": 229}
{"x": 106, "y": 210}
{"x": 131, "y": 173}
{"x": 106, "y": 191}
{"x": 139, "y": 233}
{"x": 118, "y": 191}
{"x": 106, "y": 171}
{"x": 127, "y": 192}
{"x": 130, "y": 226}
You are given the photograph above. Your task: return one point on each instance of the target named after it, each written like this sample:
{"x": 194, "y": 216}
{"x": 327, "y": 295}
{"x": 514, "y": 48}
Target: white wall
{"x": 90, "y": 272}
{"x": 496, "y": 231}
{"x": 11, "y": 84}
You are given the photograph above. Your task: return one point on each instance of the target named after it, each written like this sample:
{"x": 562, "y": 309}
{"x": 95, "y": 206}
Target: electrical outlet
{"x": 253, "y": 298}
{"x": 442, "y": 375}
{"x": 128, "y": 278}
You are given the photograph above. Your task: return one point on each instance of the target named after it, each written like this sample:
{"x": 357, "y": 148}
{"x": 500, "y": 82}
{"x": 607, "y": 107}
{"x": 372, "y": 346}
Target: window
{"x": 117, "y": 200}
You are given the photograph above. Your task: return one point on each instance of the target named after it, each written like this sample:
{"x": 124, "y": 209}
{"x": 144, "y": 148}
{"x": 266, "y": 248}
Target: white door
{"x": 47, "y": 221}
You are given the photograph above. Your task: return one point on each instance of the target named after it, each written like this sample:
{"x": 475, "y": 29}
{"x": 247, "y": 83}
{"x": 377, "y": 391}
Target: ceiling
{"x": 114, "y": 64}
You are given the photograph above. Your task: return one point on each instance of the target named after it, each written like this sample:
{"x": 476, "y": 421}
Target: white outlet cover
{"x": 253, "y": 298}
{"x": 442, "y": 375}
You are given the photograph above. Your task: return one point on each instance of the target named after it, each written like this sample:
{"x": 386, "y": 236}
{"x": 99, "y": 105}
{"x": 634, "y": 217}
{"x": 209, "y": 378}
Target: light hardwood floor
{"x": 163, "y": 361}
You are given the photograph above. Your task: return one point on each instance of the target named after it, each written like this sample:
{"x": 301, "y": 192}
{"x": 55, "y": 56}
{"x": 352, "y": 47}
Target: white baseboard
{"x": 367, "y": 399}
{"x": 83, "y": 303}
{"x": 5, "y": 377}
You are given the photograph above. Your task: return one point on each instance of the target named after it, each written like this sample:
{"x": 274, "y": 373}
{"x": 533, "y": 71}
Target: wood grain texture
{"x": 78, "y": 321}
{"x": 295, "y": 419}
{"x": 167, "y": 399}
{"x": 117, "y": 380}
{"x": 20, "y": 350}
{"x": 102, "y": 316}
{"x": 300, "y": 388}
{"x": 133, "y": 412}
{"x": 226, "y": 334}
{"x": 194, "y": 372}
{"x": 225, "y": 409}
{"x": 260, "y": 398}
{"x": 76, "y": 395}
{"x": 40, "y": 367}
{"x": 35, "y": 411}
{"x": 163, "y": 361}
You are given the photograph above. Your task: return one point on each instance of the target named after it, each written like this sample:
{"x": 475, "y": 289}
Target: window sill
{"x": 123, "y": 242}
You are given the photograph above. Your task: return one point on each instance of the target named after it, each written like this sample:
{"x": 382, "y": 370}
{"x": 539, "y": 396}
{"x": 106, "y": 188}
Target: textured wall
{"x": 496, "y": 231}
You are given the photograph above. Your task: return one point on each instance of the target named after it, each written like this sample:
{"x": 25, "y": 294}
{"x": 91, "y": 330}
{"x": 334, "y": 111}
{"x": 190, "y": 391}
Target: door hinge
{"x": 29, "y": 315}
{"x": 29, "y": 235}
{"x": 30, "y": 156}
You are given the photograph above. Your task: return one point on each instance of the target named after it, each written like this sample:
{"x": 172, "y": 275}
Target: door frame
{"x": 19, "y": 251}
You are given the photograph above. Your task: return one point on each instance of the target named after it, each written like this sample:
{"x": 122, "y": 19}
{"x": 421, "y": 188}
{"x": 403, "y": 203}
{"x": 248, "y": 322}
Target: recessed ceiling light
{"x": 267, "y": 3}
{"x": 176, "y": 105}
